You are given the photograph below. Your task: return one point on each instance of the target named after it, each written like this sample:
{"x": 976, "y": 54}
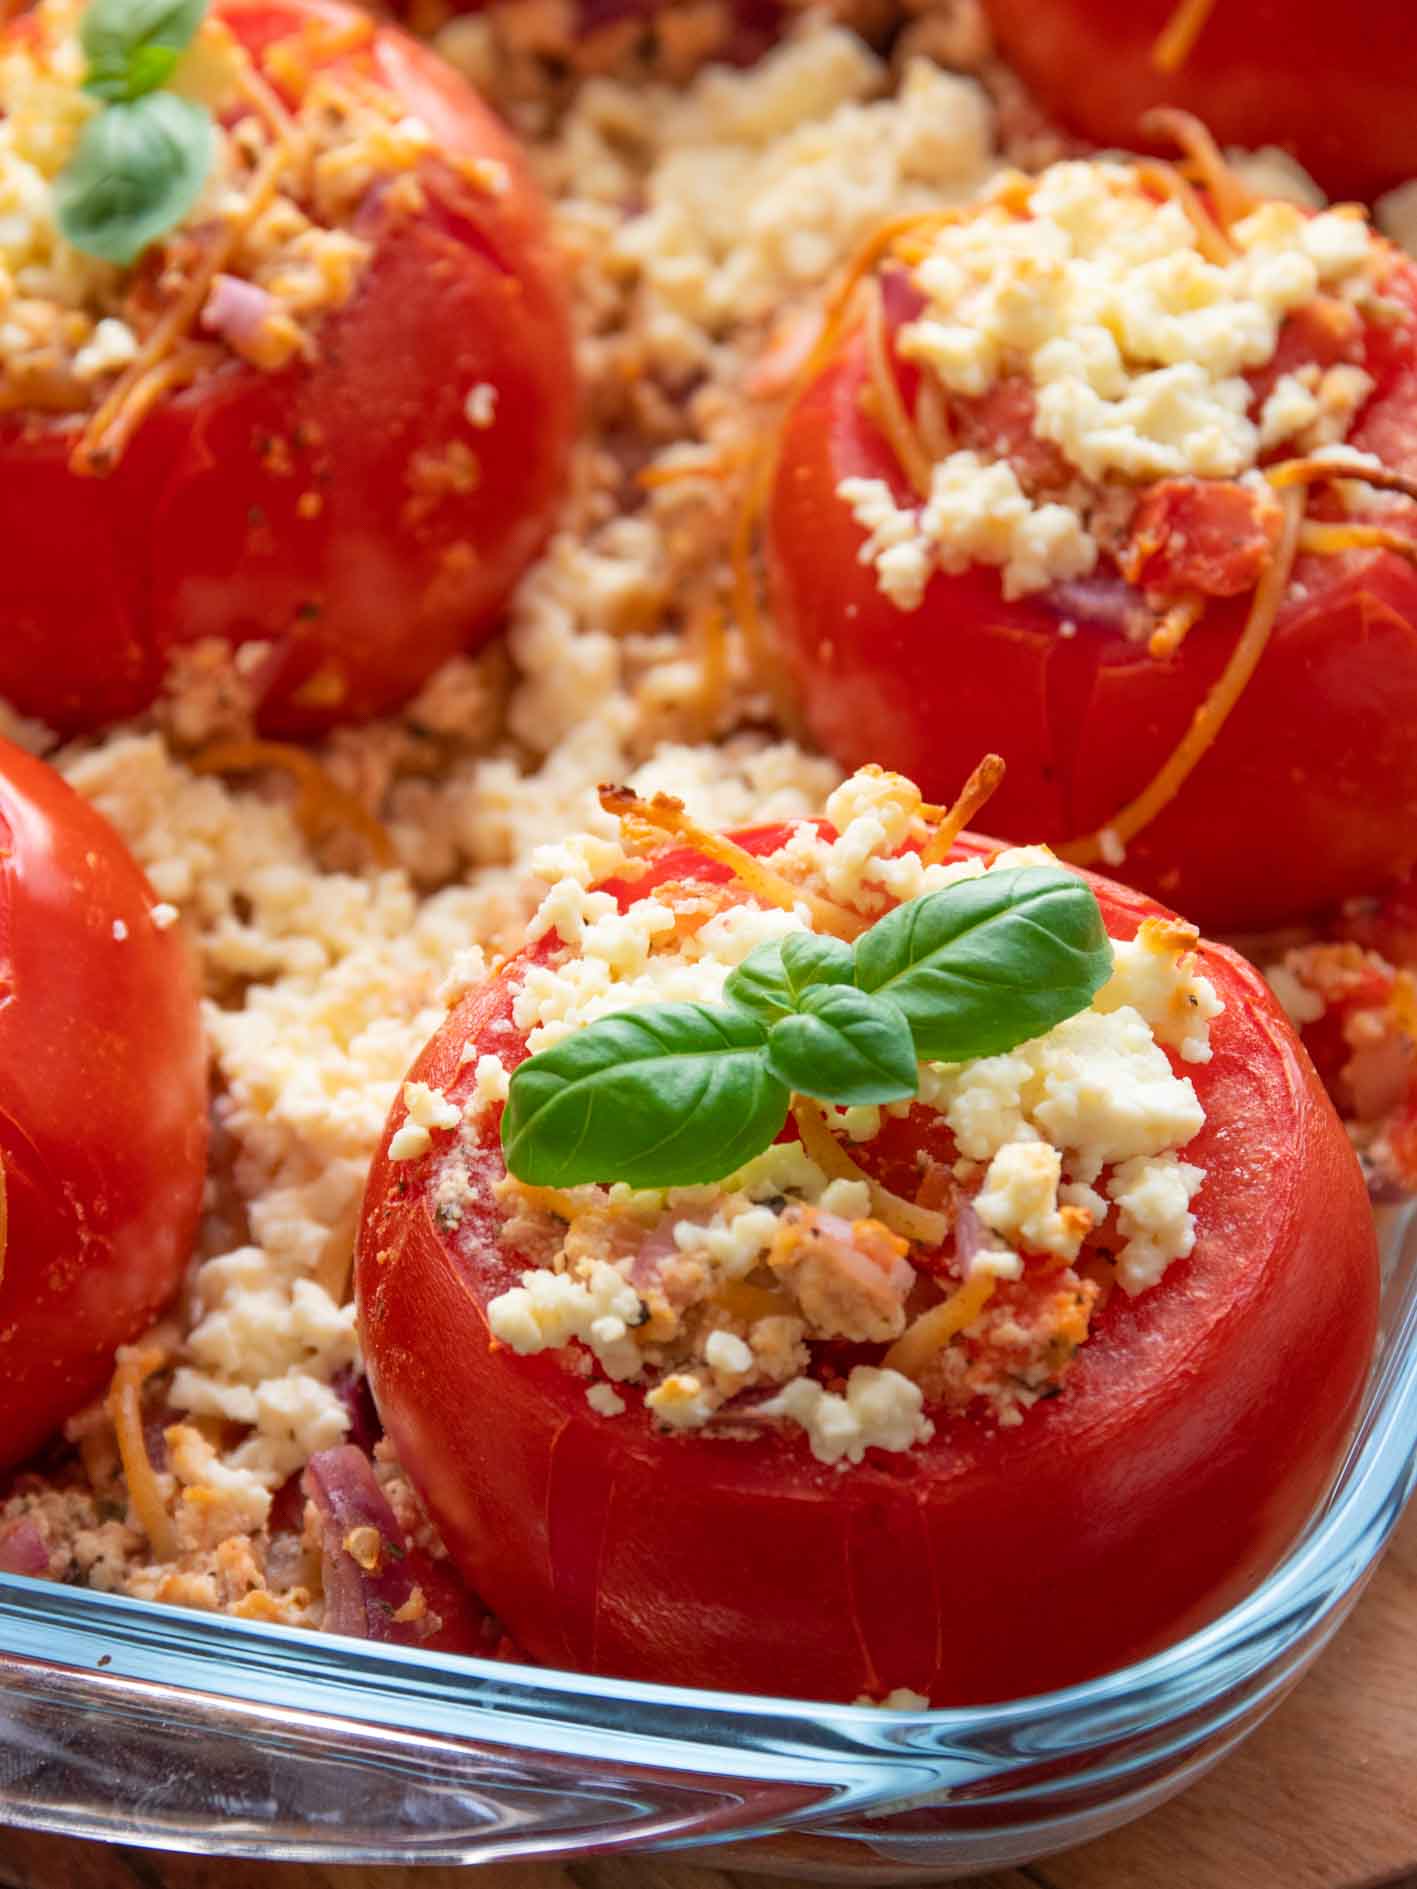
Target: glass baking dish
{"x": 176, "y": 1730}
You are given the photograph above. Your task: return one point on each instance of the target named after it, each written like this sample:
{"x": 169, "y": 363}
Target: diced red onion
{"x": 22, "y": 1548}
{"x": 368, "y": 1579}
{"x": 236, "y": 310}
{"x": 1106, "y": 601}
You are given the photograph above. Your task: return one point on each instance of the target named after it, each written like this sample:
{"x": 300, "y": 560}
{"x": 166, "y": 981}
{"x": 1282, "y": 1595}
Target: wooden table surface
{"x": 1323, "y": 1796}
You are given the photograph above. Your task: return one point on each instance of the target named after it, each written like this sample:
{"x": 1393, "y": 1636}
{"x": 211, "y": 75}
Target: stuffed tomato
{"x": 975, "y": 1391}
{"x": 1067, "y": 481}
{"x": 1331, "y": 89}
{"x": 325, "y": 416}
{"x": 103, "y": 1103}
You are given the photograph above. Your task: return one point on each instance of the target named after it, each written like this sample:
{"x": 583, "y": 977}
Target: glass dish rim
{"x": 256, "y": 1667}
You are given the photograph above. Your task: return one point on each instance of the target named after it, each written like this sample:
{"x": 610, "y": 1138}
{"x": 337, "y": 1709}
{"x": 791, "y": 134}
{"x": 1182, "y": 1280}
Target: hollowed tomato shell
{"x": 1331, "y": 87}
{"x": 345, "y": 510}
{"x": 103, "y": 1103}
{"x": 1309, "y": 794}
{"x": 1194, "y": 1434}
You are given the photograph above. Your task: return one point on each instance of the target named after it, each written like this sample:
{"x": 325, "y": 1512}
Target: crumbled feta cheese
{"x": 549, "y": 1309}
{"x": 725, "y": 1352}
{"x": 976, "y": 513}
{"x": 1019, "y": 1199}
{"x": 880, "y": 1410}
{"x": 1154, "y": 1195}
{"x": 1154, "y": 973}
{"x": 680, "y": 1402}
{"x": 429, "y": 1108}
{"x": 410, "y": 1142}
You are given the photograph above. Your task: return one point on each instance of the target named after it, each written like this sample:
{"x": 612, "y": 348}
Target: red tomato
{"x": 103, "y": 1103}
{"x": 1331, "y": 85}
{"x": 1195, "y": 1431}
{"x": 1308, "y": 796}
{"x": 313, "y": 508}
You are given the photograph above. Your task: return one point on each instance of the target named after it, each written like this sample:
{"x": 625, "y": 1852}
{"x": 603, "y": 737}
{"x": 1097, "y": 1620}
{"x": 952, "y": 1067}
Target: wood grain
{"x": 1323, "y": 1796}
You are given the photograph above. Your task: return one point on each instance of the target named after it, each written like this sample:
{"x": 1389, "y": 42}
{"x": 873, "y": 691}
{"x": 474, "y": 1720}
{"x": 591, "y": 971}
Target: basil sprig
{"x": 141, "y": 161}
{"x": 674, "y": 1095}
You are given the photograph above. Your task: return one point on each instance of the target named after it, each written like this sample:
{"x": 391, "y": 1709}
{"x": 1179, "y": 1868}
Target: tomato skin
{"x": 1313, "y": 775}
{"x": 103, "y": 1103}
{"x": 1331, "y": 86}
{"x": 302, "y": 508}
{"x": 1195, "y": 1432}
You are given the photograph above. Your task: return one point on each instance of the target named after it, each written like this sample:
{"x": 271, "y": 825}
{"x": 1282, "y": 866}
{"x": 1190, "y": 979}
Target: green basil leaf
{"x": 771, "y": 979}
{"x": 989, "y": 963}
{"x": 845, "y": 1046}
{"x": 111, "y": 31}
{"x": 665, "y": 1096}
{"x": 138, "y": 170}
{"x": 809, "y": 959}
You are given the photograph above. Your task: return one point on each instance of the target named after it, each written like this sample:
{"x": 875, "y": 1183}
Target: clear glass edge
{"x": 845, "y": 1759}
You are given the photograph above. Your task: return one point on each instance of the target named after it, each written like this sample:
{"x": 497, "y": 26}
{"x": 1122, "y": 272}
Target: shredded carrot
{"x": 1228, "y": 196}
{"x": 1333, "y": 539}
{"x": 1173, "y": 44}
{"x": 922, "y": 1225}
{"x": 1212, "y": 240}
{"x": 716, "y": 466}
{"x": 108, "y": 431}
{"x": 321, "y": 803}
{"x": 888, "y": 409}
{"x": 1289, "y": 472}
{"x": 1175, "y": 627}
{"x": 933, "y": 1330}
{"x": 1211, "y": 716}
{"x": 125, "y": 1407}
{"x": 981, "y": 786}
{"x": 664, "y": 814}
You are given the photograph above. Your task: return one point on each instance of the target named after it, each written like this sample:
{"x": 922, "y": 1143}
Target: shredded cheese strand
{"x": 1212, "y": 240}
{"x": 1173, "y": 45}
{"x": 125, "y": 1408}
{"x": 887, "y": 408}
{"x": 1175, "y": 626}
{"x": 665, "y": 814}
{"x": 982, "y": 785}
{"x": 1214, "y": 711}
{"x": 921, "y": 1225}
{"x": 933, "y": 1330}
{"x": 320, "y": 804}
{"x": 1290, "y": 472}
{"x": 1331, "y": 540}
{"x": 1227, "y": 194}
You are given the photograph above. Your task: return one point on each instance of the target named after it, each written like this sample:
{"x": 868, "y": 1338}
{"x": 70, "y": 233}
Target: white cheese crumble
{"x": 880, "y": 1410}
{"x": 977, "y": 513}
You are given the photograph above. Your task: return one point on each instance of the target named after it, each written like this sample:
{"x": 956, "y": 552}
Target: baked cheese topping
{"x": 1056, "y": 1169}
{"x": 283, "y": 184}
{"x": 1124, "y": 326}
